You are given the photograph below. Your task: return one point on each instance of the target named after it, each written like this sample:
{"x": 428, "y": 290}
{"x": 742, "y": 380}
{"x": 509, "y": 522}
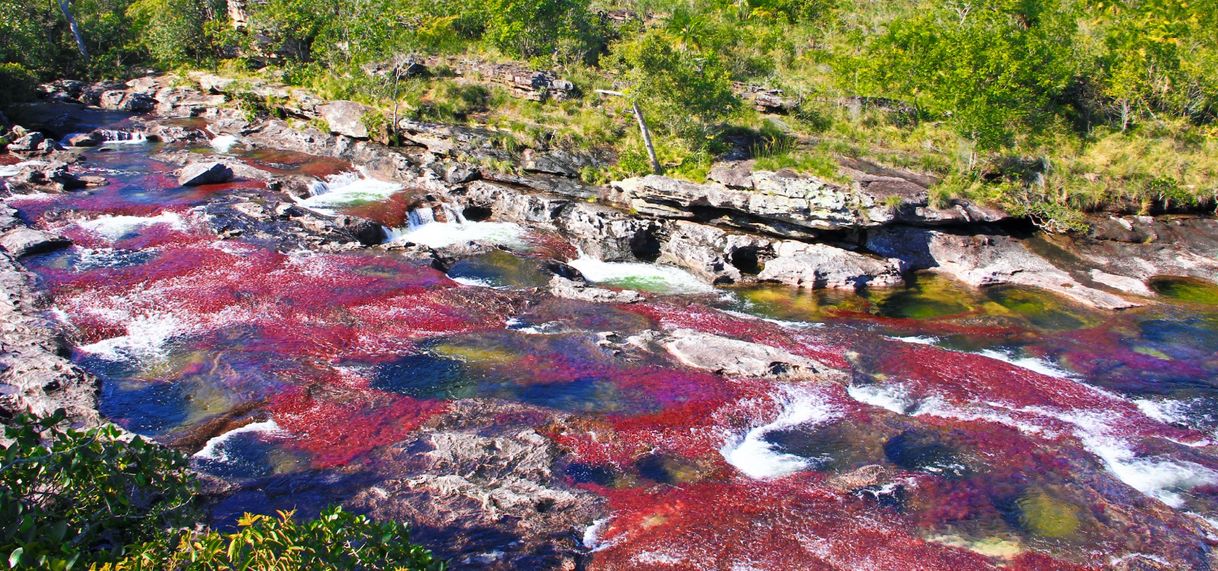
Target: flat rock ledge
{"x": 35, "y": 372}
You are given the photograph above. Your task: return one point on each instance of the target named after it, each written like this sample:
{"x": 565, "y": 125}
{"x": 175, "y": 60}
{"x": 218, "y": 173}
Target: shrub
{"x": 337, "y": 539}
{"x": 69, "y": 498}
{"x": 74, "y": 499}
{"x": 16, "y": 83}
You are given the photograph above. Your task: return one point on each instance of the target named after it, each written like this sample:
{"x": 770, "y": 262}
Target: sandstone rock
{"x": 457, "y": 173}
{"x": 609, "y": 234}
{"x": 733, "y": 174}
{"x": 732, "y": 357}
{"x": 345, "y": 118}
{"x": 205, "y": 173}
{"x": 822, "y": 266}
{"x": 714, "y": 254}
{"x": 570, "y": 289}
{"x": 456, "y": 480}
{"x": 33, "y": 143}
{"x": 34, "y": 374}
{"x": 24, "y": 241}
{"x": 1123, "y": 284}
{"x": 51, "y": 175}
{"x": 121, "y": 100}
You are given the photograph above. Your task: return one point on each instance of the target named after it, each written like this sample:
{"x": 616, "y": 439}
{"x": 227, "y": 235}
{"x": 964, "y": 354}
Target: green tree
{"x": 174, "y": 32}
{"x": 992, "y": 70}
{"x": 531, "y": 28}
{"x": 686, "y": 91}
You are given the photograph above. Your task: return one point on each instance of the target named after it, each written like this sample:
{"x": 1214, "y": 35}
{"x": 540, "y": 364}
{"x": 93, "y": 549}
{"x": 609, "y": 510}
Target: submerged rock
{"x": 205, "y": 173}
{"x": 985, "y": 260}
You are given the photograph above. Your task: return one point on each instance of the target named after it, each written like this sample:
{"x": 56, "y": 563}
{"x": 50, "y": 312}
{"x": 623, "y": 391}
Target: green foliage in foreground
{"x": 74, "y": 499}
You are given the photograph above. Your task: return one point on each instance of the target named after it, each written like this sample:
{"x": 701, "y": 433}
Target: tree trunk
{"x": 65, "y": 6}
{"x": 393, "y": 126}
{"x": 651, "y": 150}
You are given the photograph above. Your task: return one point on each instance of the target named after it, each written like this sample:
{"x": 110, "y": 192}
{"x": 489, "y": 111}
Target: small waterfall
{"x": 130, "y": 137}
{"x": 423, "y": 215}
{"x": 347, "y": 189}
{"x": 440, "y": 224}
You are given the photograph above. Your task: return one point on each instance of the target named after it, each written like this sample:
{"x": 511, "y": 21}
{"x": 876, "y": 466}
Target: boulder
{"x": 33, "y": 143}
{"x": 570, "y": 289}
{"x": 120, "y": 100}
{"x": 53, "y": 175}
{"x": 609, "y": 234}
{"x": 205, "y": 173}
{"x": 24, "y": 241}
{"x": 735, "y": 358}
{"x": 345, "y": 118}
{"x": 823, "y": 266}
{"x": 91, "y": 139}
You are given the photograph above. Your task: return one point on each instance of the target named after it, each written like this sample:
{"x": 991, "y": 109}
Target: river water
{"x": 978, "y": 428}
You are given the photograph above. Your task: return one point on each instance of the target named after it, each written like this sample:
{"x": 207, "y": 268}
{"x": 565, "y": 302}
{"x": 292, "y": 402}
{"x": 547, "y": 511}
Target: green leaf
{"x": 14, "y": 558}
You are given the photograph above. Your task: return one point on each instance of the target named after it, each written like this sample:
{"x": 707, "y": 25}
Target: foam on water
{"x": 474, "y": 282}
{"x": 636, "y": 275}
{"x": 13, "y": 169}
{"x": 348, "y": 188}
{"x": 1160, "y": 478}
{"x": 214, "y": 449}
{"x": 224, "y": 143}
{"x": 1030, "y": 363}
{"x": 115, "y": 227}
{"x": 917, "y": 339}
{"x": 443, "y": 235}
{"x": 1165, "y": 411}
{"x": 778, "y": 322}
{"x": 145, "y": 339}
{"x": 891, "y": 396}
{"x": 751, "y": 454}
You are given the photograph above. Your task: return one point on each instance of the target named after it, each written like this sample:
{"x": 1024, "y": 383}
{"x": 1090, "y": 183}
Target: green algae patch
{"x": 1041, "y": 309}
{"x": 1186, "y": 290}
{"x": 928, "y": 297}
{"x": 1046, "y": 516}
{"x": 794, "y": 304}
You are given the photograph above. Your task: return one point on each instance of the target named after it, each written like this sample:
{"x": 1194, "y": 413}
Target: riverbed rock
{"x": 35, "y": 373}
{"x": 609, "y": 234}
{"x": 1141, "y": 248}
{"x": 24, "y": 241}
{"x": 91, "y": 139}
{"x": 489, "y": 499}
{"x": 205, "y": 173}
{"x": 984, "y": 260}
{"x": 822, "y": 266}
{"x": 130, "y": 101}
{"x": 53, "y": 176}
{"x": 735, "y": 358}
{"x": 345, "y": 118}
{"x": 571, "y": 289}
{"x": 33, "y": 143}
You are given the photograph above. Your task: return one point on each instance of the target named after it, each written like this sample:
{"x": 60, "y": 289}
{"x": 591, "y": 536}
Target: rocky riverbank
{"x": 485, "y": 478}
{"x": 743, "y": 225}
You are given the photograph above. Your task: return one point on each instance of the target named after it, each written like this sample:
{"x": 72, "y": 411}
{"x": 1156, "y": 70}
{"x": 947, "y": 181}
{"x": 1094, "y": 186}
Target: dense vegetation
{"x": 78, "y": 500}
{"x": 1048, "y": 107}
